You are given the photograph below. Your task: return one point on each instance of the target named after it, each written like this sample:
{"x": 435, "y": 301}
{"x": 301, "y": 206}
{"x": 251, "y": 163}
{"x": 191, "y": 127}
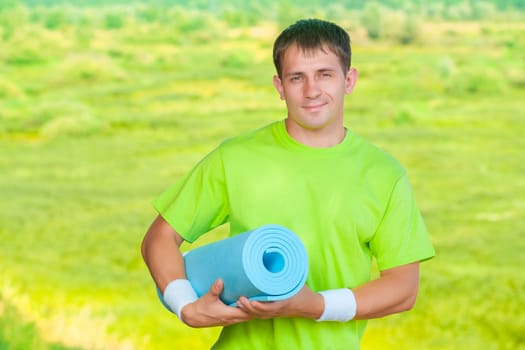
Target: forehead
{"x": 296, "y": 58}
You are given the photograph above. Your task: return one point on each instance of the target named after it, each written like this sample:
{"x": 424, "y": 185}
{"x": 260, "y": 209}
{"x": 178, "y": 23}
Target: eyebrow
{"x": 321, "y": 70}
{"x": 292, "y": 74}
{"x": 324, "y": 70}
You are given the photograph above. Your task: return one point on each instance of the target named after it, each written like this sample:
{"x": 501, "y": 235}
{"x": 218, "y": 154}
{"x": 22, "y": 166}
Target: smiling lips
{"x": 314, "y": 107}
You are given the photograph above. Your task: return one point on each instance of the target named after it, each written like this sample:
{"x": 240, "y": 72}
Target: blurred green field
{"x": 99, "y": 114}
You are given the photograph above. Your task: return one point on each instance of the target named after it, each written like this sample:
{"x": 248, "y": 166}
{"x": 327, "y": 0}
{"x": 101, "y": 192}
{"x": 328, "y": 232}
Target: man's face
{"x": 313, "y": 84}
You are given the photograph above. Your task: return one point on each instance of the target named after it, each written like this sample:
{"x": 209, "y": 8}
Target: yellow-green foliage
{"x": 103, "y": 108}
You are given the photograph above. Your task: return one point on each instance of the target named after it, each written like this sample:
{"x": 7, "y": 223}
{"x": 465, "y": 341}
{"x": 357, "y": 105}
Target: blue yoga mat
{"x": 268, "y": 263}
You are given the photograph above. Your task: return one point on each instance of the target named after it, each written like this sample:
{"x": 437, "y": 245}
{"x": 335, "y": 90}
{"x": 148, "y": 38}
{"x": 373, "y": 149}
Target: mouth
{"x": 314, "y": 108}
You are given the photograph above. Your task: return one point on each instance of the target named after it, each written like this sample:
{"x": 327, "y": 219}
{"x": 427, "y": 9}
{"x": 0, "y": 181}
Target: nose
{"x": 311, "y": 89}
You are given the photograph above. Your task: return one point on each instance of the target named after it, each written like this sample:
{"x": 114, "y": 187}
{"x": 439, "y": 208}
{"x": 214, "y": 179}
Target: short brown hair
{"x": 310, "y": 34}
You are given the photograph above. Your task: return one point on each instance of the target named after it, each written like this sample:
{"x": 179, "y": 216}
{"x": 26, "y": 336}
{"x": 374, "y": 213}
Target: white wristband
{"x": 178, "y": 294}
{"x": 339, "y": 305}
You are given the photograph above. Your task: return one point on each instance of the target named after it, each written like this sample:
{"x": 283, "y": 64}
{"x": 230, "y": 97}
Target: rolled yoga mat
{"x": 268, "y": 263}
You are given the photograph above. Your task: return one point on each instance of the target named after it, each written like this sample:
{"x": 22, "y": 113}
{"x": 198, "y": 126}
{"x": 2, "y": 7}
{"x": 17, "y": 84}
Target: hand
{"x": 210, "y": 311}
{"x": 305, "y": 303}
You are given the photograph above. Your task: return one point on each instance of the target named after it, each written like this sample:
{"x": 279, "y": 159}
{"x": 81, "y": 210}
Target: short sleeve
{"x": 198, "y": 202}
{"x": 401, "y": 237}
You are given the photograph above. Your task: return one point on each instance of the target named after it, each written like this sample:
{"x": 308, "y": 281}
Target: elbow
{"x": 409, "y": 302}
{"x": 407, "y": 306}
{"x": 144, "y": 248}
{"x": 410, "y": 284}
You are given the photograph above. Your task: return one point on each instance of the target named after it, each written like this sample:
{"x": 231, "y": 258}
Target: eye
{"x": 295, "y": 78}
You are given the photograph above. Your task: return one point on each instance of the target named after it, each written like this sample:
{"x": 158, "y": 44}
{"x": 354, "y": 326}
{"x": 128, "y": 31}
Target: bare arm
{"x": 160, "y": 250}
{"x": 394, "y": 291}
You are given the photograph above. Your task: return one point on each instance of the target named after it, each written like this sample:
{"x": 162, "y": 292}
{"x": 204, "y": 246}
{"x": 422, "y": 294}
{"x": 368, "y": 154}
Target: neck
{"x": 317, "y": 138}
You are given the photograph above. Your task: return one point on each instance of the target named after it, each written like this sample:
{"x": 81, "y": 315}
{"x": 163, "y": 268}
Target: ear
{"x": 278, "y": 86}
{"x": 351, "y": 80}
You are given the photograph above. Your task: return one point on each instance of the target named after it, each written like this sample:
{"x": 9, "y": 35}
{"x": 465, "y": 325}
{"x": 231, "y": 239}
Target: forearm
{"x": 305, "y": 304}
{"x": 160, "y": 250}
{"x": 395, "y": 291}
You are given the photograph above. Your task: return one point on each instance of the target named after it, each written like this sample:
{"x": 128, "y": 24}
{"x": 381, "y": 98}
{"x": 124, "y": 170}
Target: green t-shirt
{"x": 348, "y": 203}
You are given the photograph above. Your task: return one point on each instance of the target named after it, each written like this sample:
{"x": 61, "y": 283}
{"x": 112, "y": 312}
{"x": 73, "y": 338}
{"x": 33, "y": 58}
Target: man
{"x": 348, "y": 201}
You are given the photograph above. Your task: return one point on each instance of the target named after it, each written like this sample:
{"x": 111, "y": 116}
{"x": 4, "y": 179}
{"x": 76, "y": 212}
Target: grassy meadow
{"x": 101, "y": 109}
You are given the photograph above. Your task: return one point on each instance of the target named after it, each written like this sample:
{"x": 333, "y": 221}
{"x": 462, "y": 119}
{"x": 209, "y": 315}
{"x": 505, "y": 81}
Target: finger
{"x": 258, "y": 306}
{"x": 245, "y": 304}
{"x": 257, "y": 309}
{"x": 254, "y": 313}
{"x": 217, "y": 287}
{"x": 242, "y": 302}
{"x": 266, "y": 309}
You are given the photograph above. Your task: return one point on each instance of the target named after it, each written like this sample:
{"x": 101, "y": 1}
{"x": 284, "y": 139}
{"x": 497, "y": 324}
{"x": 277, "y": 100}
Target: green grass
{"x": 94, "y": 123}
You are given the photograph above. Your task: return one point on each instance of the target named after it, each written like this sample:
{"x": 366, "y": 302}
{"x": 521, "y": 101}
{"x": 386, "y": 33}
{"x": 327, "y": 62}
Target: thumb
{"x": 216, "y": 288}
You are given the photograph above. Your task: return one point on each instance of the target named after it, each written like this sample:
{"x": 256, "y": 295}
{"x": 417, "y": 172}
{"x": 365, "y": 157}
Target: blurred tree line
{"x": 446, "y": 9}
{"x": 215, "y": 5}
{"x": 396, "y": 20}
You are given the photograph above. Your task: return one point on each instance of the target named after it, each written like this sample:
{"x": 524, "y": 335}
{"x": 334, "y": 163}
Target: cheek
{"x": 339, "y": 91}
{"x": 291, "y": 96}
